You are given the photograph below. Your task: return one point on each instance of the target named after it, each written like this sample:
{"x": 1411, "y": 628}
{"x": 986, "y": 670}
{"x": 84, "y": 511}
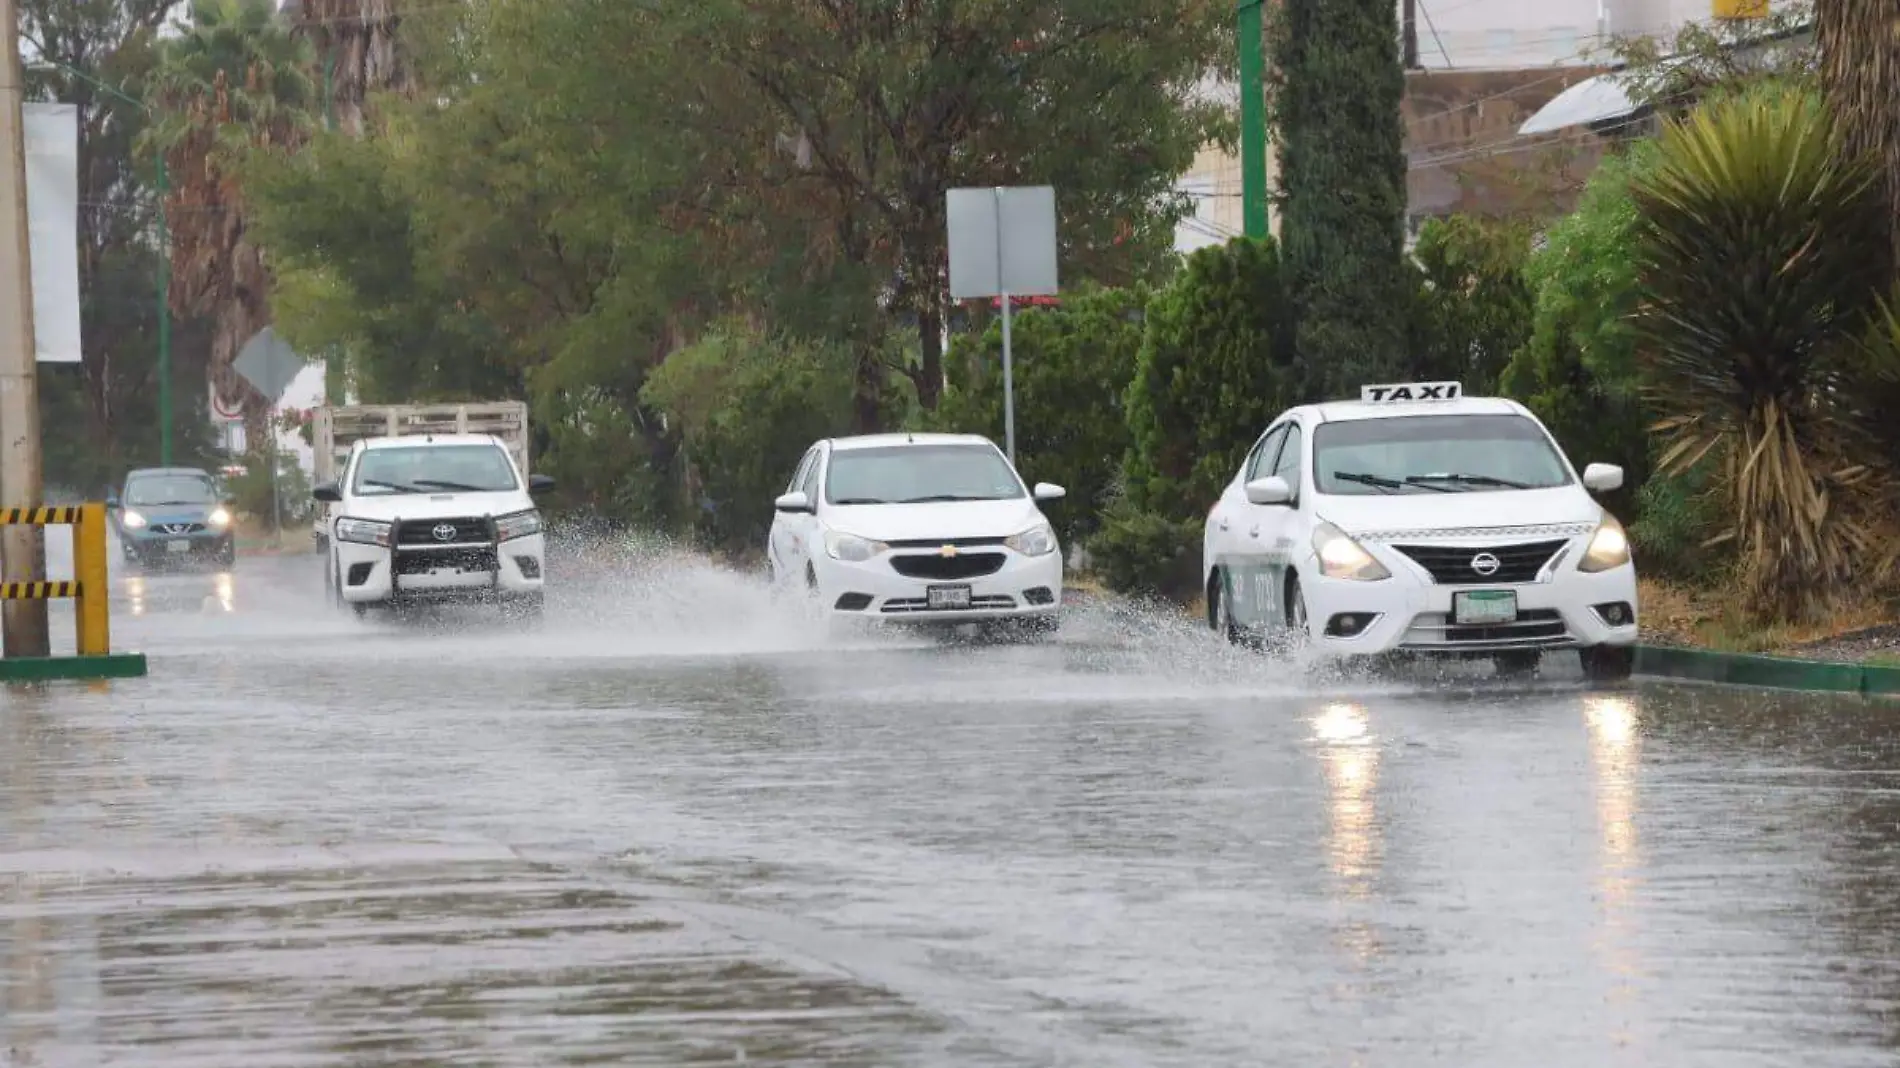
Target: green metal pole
{"x": 164, "y": 319}
{"x": 1253, "y": 120}
{"x": 334, "y": 385}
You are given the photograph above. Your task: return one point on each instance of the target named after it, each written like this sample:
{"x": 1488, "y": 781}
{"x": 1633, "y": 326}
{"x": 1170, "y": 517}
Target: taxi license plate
{"x": 1477, "y": 607}
{"x": 941, "y": 598}
{"x": 179, "y": 546}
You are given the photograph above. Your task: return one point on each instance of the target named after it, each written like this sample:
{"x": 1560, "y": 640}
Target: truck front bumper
{"x": 376, "y": 574}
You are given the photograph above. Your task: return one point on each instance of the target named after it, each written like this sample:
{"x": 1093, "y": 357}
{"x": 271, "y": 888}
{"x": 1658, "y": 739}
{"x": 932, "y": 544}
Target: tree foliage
{"x": 1474, "y": 303}
{"x": 1760, "y": 252}
{"x": 1860, "y": 72}
{"x": 744, "y": 406}
{"x": 1337, "y": 85}
{"x": 1072, "y": 366}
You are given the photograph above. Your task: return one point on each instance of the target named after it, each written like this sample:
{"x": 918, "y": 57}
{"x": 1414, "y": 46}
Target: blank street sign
{"x": 268, "y": 364}
{"x": 1002, "y": 240}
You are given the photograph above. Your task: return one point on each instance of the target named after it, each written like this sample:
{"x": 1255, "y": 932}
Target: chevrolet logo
{"x": 947, "y": 551}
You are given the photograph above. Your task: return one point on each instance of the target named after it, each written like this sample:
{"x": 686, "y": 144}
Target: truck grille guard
{"x": 491, "y": 540}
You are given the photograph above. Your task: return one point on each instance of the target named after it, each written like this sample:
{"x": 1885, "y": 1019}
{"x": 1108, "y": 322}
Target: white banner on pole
{"x": 52, "y": 211}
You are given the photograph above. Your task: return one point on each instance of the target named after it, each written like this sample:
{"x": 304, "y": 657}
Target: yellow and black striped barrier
{"x": 89, "y": 589}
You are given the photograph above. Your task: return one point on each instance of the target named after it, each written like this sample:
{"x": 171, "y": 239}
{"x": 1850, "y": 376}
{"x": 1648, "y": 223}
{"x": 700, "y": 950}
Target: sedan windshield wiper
{"x": 933, "y": 498}
{"x": 1467, "y": 480}
{"x": 859, "y": 500}
{"x": 1380, "y": 482}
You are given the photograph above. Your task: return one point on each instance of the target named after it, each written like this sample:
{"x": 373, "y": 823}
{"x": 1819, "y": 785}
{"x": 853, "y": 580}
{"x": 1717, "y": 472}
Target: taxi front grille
{"x": 901, "y": 605}
{"x": 960, "y": 566}
{"x": 1459, "y": 565}
{"x": 1533, "y": 628}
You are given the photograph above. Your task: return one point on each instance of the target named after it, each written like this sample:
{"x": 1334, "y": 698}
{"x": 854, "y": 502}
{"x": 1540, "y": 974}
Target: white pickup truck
{"x": 427, "y": 503}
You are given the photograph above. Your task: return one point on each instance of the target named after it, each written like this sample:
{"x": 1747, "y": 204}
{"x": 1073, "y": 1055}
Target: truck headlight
{"x": 1609, "y": 547}
{"x": 851, "y": 548}
{"x": 1341, "y": 557}
{"x": 363, "y": 531}
{"x": 219, "y": 518}
{"x": 1038, "y": 540}
{"x": 518, "y": 525}
{"x": 132, "y": 521}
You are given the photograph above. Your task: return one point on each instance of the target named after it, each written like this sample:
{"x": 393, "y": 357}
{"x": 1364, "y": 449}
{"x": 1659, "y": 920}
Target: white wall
{"x": 1477, "y": 34}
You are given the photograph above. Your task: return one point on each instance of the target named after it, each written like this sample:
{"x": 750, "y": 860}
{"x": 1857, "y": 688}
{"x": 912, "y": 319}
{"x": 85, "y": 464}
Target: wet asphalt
{"x": 682, "y": 823}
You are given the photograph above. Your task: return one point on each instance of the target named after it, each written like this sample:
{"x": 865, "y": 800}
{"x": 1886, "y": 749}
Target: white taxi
{"x": 1417, "y": 519}
{"x": 918, "y": 528}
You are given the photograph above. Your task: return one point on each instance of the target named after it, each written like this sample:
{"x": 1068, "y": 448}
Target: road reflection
{"x": 1616, "y": 756}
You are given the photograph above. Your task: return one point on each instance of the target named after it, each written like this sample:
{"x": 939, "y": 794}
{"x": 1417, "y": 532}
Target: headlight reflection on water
{"x": 135, "y": 593}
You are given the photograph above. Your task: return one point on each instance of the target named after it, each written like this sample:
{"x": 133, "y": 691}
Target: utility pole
{"x": 164, "y": 318}
{"x": 335, "y": 386}
{"x": 1253, "y": 119}
{"x": 22, "y": 548}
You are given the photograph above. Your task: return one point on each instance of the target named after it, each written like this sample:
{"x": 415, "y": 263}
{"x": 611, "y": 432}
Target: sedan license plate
{"x": 1477, "y": 607}
{"x": 179, "y": 546}
{"x": 941, "y": 598}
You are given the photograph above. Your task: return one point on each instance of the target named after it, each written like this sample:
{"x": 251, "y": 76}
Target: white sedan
{"x": 1420, "y": 520}
{"x": 934, "y": 528}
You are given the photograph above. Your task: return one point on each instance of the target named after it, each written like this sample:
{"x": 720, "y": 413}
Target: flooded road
{"x": 680, "y": 824}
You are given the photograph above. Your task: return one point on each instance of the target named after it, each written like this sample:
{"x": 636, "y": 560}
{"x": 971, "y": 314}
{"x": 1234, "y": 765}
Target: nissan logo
{"x": 1485, "y": 564}
{"x": 446, "y": 532}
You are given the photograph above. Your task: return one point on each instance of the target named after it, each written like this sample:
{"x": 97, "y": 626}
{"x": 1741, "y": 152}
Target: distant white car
{"x": 918, "y": 528}
{"x": 1418, "y": 519}
{"x": 434, "y": 518}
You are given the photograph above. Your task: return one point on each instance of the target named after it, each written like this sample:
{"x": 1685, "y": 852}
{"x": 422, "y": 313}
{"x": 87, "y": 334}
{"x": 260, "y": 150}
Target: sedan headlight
{"x": 1038, "y": 540}
{"x": 1341, "y": 557}
{"x": 362, "y": 531}
{"x": 518, "y": 525}
{"x": 1609, "y": 547}
{"x": 851, "y": 548}
{"x": 219, "y": 518}
{"x": 132, "y": 521}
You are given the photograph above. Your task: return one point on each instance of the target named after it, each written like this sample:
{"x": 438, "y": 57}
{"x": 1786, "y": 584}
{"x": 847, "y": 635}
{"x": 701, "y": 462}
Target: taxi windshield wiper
{"x": 859, "y": 500}
{"x": 1466, "y": 480}
{"x": 932, "y": 499}
{"x": 1380, "y": 482}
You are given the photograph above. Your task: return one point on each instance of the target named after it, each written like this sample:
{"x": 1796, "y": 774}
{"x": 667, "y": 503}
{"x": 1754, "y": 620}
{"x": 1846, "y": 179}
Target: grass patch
{"x": 1705, "y": 617}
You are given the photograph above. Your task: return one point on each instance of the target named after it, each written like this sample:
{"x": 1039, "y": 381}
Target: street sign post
{"x": 1003, "y": 244}
{"x": 270, "y": 366}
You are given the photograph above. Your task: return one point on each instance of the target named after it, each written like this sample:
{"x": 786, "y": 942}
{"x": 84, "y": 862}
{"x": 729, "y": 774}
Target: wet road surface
{"x": 682, "y": 825}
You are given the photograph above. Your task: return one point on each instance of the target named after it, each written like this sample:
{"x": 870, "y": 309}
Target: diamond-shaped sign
{"x": 268, "y": 364}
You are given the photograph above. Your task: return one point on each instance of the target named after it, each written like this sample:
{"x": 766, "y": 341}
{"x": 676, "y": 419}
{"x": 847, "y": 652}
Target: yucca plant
{"x": 1760, "y": 248}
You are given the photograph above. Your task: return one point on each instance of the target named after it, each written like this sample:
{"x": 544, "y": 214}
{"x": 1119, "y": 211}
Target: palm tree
{"x": 357, "y": 43}
{"x": 1761, "y": 249}
{"x": 234, "y": 83}
{"x": 1860, "y": 71}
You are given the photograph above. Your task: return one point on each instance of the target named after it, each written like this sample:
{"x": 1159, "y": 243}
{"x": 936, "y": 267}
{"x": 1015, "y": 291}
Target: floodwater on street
{"x": 681, "y": 823}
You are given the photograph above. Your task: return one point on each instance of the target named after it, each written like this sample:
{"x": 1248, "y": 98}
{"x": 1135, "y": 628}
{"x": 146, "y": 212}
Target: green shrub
{"x": 1146, "y": 554}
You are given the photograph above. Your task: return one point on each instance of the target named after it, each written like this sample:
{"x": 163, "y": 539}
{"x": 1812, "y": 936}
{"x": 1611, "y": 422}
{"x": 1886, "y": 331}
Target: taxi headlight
{"x": 132, "y": 521}
{"x": 1341, "y": 557}
{"x": 219, "y": 518}
{"x": 518, "y": 525}
{"x": 1038, "y": 540}
{"x": 851, "y": 548}
{"x": 362, "y": 531}
{"x": 1609, "y": 547}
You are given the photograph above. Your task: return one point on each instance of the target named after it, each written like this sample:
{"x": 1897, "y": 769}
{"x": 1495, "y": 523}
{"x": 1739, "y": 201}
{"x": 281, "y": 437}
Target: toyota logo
{"x": 1485, "y": 564}
{"x": 446, "y": 532}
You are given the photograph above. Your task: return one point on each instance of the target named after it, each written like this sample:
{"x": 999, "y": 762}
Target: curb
{"x": 1772, "y": 672}
{"x": 73, "y": 668}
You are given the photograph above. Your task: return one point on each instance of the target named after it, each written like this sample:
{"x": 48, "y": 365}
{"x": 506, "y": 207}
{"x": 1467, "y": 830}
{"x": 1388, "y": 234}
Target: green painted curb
{"x": 1772, "y": 672}
{"x": 81, "y": 668}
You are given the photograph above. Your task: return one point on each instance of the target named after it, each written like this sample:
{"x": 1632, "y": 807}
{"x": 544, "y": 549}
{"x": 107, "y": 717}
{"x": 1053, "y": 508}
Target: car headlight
{"x": 362, "y": 531}
{"x": 132, "y": 521}
{"x": 219, "y": 518}
{"x": 1609, "y": 547}
{"x": 1038, "y": 540}
{"x": 518, "y": 525}
{"x": 1341, "y": 557}
{"x": 851, "y": 548}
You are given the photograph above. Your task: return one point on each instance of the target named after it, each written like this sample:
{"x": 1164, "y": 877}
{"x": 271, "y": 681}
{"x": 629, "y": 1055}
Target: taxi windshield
{"x": 433, "y": 469}
{"x": 1434, "y": 454}
{"x": 919, "y": 474}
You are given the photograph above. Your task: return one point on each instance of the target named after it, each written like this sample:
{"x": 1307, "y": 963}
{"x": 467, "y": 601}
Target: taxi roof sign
{"x": 1411, "y": 391}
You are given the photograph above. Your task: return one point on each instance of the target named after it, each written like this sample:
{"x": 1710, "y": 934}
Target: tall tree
{"x": 882, "y": 108}
{"x": 98, "y": 415}
{"x": 1337, "y": 85}
{"x": 1860, "y": 72}
{"x": 233, "y": 84}
{"x": 360, "y": 50}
